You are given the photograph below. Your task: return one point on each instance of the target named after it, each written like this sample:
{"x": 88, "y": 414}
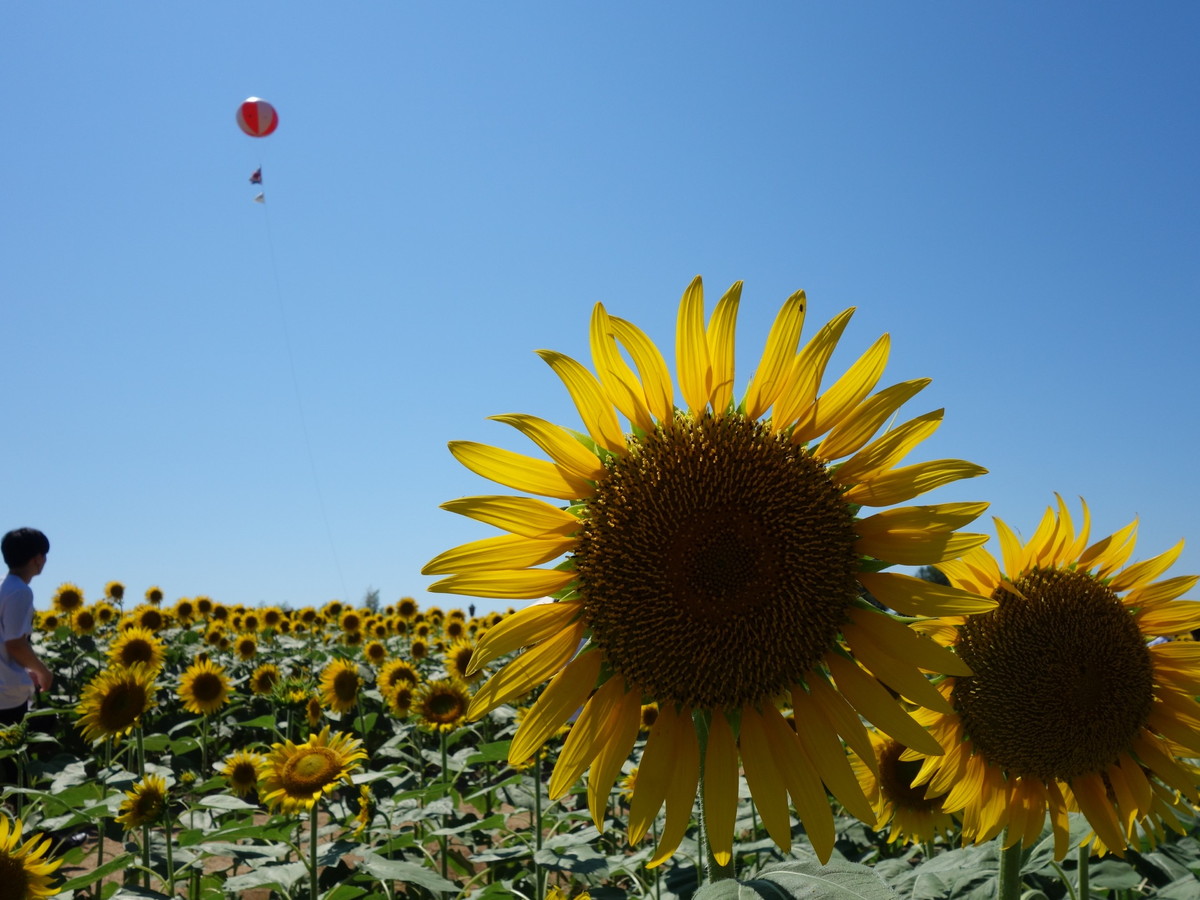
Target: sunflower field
{"x": 722, "y": 688}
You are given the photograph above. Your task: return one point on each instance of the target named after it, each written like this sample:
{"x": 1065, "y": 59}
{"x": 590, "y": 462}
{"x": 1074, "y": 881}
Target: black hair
{"x": 21, "y": 545}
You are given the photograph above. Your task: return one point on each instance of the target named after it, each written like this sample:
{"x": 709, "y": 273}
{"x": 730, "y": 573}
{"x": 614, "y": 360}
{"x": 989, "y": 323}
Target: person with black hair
{"x": 21, "y": 671}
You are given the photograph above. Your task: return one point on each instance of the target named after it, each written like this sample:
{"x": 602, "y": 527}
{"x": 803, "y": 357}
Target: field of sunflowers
{"x": 721, "y": 687}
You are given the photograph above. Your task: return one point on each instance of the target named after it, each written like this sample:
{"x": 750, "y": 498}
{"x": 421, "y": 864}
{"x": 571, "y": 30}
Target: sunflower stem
{"x": 539, "y": 875}
{"x": 146, "y": 856}
{"x": 313, "y": 891}
{"x": 204, "y": 745}
{"x": 1009, "y": 887}
{"x": 141, "y": 751}
{"x": 1084, "y": 856}
{"x": 442, "y": 839}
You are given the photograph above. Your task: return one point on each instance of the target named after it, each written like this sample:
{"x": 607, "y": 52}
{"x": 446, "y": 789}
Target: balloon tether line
{"x": 312, "y": 462}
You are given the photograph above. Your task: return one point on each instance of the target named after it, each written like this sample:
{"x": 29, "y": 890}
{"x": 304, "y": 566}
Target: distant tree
{"x": 371, "y": 599}
{"x": 929, "y": 573}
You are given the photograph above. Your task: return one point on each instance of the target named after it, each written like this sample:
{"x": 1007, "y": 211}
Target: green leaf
{"x": 1115, "y": 874}
{"x": 803, "y": 878}
{"x": 410, "y": 873}
{"x": 1186, "y": 888}
{"x": 116, "y": 864}
{"x": 283, "y": 876}
{"x": 129, "y": 893}
{"x": 580, "y": 860}
{"x": 225, "y": 802}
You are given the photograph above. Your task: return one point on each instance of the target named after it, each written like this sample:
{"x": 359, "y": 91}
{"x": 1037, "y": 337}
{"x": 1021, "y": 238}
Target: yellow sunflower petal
{"x": 597, "y": 414}
{"x": 847, "y": 392}
{"x": 842, "y": 718}
{"x": 654, "y": 770}
{"x": 1167, "y": 619}
{"x": 1110, "y": 552}
{"x": 587, "y": 736}
{"x": 764, "y": 779}
{"x": 526, "y": 516}
{"x": 1139, "y": 785}
{"x": 916, "y": 597}
{"x": 691, "y": 348}
{"x": 1141, "y": 574}
{"x": 1162, "y": 591}
{"x": 562, "y": 446}
{"x": 887, "y": 450}
{"x": 519, "y": 584}
{"x": 505, "y": 551}
{"x": 1092, "y": 797}
{"x": 618, "y": 379}
{"x": 620, "y": 732}
{"x": 523, "y": 473}
{"x": 1127, "y": 808}
{"x": 565, "y": 694}
{"x": 796, "y": 404}
{"x": 808, "y": 795}
{"x": 527, "y": 626}
{"x": 854, "y": 431}
{"x": 771, "y": 377}
{"x": 1158, "y": 759}
{"x": 652, "y": 369}
{"x": 527, "y": 671}
{"x": 827, "y": 755}
{"x": 681, "y": 789}
{"x": 903, "y": 484}
{"x": 915, "y": 548}
{"x": 878, "y": 707}
{"x": 720, "y": 787}
{"x": 721, "y": 329}
{"x": 901, "y": 677}
{"x": 904, "y": 643}
{"x": 936, "y": 517}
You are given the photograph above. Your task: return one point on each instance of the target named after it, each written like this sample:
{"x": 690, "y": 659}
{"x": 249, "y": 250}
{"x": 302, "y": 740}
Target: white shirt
{"x": 16, "y": 620}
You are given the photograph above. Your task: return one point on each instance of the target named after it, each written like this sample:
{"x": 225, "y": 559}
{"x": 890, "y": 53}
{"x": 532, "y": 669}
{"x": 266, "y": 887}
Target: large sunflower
{"x": 1069, "y": 704}
{"x": 204, "y": 687}
{"x": 137, "y": 645}
{"x": 145, "y": 804}
{"x": 296, "y": 775}
{"x": 717, "y": 563}
{"x": 114, "y": 701}
{"x": 24, "y": 867}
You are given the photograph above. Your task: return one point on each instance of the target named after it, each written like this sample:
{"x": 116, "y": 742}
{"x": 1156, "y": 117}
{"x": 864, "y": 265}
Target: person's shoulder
{"x": 13, "y": 588}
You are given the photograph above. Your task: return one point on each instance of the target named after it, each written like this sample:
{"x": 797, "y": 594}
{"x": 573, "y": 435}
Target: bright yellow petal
{"x": 526, "y": 516}
{"x": 1092, "y": 797}
{"x": 826, "y": 753}
{"x": 683, "y": 778}
{"x": 857, "y": 428}
{"x": 796, "y": 403}
{"x": 808, "y": 795}
{"x": 1162, "y": 591}
{"x": 618, "y": 379}
{"x": 505, "y": 551}
{"x": 563, "y": 447}
{"x": 914, "y": 548}
{"x": 886, "y": 451}
{"x": 652, "y": 368}
{"x": 917, "y": 597}
{"x": 527, "y": 671}
{"x": 773, "y": 372}
{"x": 621, "y": 731}
{"x": 520, "y": 472}
{"x": 654, "y": 769}
{"x": 1155, "y": 756}
{"x": 901, "y": 677}
{"x": 1110, "y": 553}
{"x": 937, "y": 517}
{"x": 766, "y": 783}
{"x": 846, "y": 393}
{"x": 565, "y": 694}
{"x": 594, "y": 407}
{"x": 530, "y": 625}
{"x": 877, "y": 706}
{"x": 1141, "y": 574}
{"x": 902, "y": 642}
{"x": 587, "y": 736}
{"x": 519, "y": 584}
{"x": 899, "y": 485}
{"x": 1171, "y": 618}
{"x": 720, "y": 787}
{"x": 842, "y": 718}
{"x": 721, "y": 329}
{"x": 691, "y": 348}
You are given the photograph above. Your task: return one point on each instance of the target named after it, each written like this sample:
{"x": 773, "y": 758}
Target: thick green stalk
{"x": 442, "y": 840}
{"x": 1084, "y": 856}
{"x": 1010, "y": 871}
{"x": 539, "y": 876}
{"x": 313, "y": 891}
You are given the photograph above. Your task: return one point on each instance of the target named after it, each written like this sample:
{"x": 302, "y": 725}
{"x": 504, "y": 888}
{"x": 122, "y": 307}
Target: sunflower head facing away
{"x": 717, "y": 561}
{"x": 113, "y": 702}
{"x": 1068, "y": 705}
{"x": 26, "y": 868}
{"x": 204, "y": 687}
{"x": 295, "y": 776}
{"x": 145, "y": 804}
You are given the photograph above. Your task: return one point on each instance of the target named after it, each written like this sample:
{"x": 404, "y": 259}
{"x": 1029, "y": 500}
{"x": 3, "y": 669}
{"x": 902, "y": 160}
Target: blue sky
{"x": 253, "y": 401}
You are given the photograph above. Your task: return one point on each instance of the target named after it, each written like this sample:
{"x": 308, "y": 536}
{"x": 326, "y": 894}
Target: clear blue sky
{"x": 253, "y": 402}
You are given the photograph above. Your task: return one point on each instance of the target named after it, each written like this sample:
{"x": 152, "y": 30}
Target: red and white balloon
{"x": 257, "y": 117}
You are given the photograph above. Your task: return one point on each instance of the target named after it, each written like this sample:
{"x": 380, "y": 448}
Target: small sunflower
{"x": 105, "y": 612}
{"x": 67, "y": 598}
{"x": 246, "y": 647}
{"x": 295, "y": 776}
{"x": 251, "y": 622}
{"x": 150, "y": 617}
{"x": 25, "y": 867}
{"x": 137, "y": 645}
{"x": 84, "y": 621}
{"x": 145, "y": 804}
{"x": 717, "y": 560}
{"x": 1069, "y": 705}
{"x": 313, "y": 711}
{"x": 888, "y": 784}
{"x": 375, "y": 652}
{"x": 649, "y": 716}
{"x": 204, "y": 606}
{"x": 400, "y": 700}
{"x": 115, "y": 700}
{"x": 340, "y": 684}
{"x": 457, "y": 660}
{"x": 407, "y": 609}
{"x": 265, "y": 678}
{"x": 366, "y": 812}
{"x": 442, "y": 705}
{"x": 154, "y": 595}
{"x": 47, "y": 621}
{"x": 272, "y": 617}
{"x": 204, "y": 687}
{"x": 242, "y": 770}
{"x": 114, "y": 591}
{"x": 418, "y": 649}
{"x": 185, "y": 611}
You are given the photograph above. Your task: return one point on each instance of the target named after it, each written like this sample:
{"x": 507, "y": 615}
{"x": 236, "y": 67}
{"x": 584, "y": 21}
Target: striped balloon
{"x": 257, "y": 117}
